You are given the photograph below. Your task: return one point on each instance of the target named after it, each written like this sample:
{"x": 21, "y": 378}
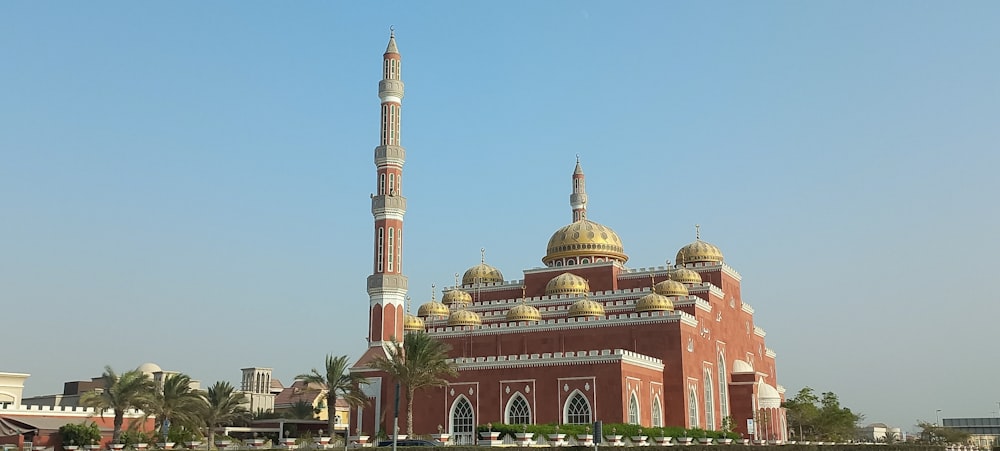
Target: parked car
{"x": 410, "y": 442}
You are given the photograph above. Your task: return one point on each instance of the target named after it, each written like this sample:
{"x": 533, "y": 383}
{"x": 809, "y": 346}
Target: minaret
{"x": 578, "y": 200}
{"x": 387, "y": 284}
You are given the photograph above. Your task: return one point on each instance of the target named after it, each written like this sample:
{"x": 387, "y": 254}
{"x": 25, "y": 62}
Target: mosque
{"x": 583, "y": 338}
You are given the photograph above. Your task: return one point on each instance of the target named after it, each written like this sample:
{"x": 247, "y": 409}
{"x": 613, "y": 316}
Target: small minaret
{"x": 578, "y": 200}
{"x": 387, "y": 285}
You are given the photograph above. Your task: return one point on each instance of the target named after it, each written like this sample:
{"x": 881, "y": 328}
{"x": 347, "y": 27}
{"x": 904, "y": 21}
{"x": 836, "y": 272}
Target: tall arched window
{"x": 709, "y": 401}
{"x": 392, "y": 247}
{"x": 692, "y": 407}
{"x": 381, "y": 184}
{"x": 381, "y": 243}
{"x": 577, "y": 410}
{"x": 633, "y": 409}
{"x": 657, "y": 414}
{"x": 723, "y": 386}
{"x": 463, "y": 424}
{"x": 518, "y": 411}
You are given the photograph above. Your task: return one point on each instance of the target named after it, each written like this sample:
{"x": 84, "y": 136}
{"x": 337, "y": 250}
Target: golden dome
{"x": 567, "y": 283}
{"x": 434, "y": 309}
{"x": 463, "y": 317}
{"x": 684, "y": 275}
{"x": 523, "y": 312}
{"x": 456, "y": 297}
{"x": 654, "y": 302}
{"x": 671, "y": 287}
{"x": 584, "y": 238}
{"x": 412, "y": 323}
{"x": 586, "y": 307}
{"x": 699, "y": 251}
{"x": 482, "y": 274}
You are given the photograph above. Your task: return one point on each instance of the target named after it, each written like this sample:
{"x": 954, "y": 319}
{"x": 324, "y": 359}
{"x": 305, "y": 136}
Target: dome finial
{"x": 524, "y": 290}
{"x": 652, "y": 279}
{"x": 482, "y": 255}
{"x": 407, "y": 305}
{"x": 392, "y": 31}
{"x": 432, "y": 291}
{"x": 456, "y": 280}
{"x": 697, "y": 231}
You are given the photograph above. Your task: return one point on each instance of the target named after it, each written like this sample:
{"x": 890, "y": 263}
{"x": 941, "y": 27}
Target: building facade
{"x": 582, "y": 338}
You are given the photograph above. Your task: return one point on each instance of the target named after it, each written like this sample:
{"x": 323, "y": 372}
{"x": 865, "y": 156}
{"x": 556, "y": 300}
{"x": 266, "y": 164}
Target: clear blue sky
{"x": 187, "y": 182}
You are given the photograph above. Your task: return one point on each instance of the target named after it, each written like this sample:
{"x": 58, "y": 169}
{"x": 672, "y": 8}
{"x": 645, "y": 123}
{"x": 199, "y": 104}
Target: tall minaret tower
{"x": 578, "y": 200}
{"x": 387, "y": 284}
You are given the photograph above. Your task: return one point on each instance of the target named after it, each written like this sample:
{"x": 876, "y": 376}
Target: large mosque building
{"x": 583, "y": 338}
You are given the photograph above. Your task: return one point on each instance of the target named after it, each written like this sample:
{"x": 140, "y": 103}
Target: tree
{"x": 820, "y": 417}
{"x": 932, "y": 433}
{"x": 176, "y": 404}
{"x": 338, "y": 383}
{"x": 301, "y": 410}
{"x": 119, "y": 393}
{"x": 223, "y": 405}
{"x": 418, "y": 362}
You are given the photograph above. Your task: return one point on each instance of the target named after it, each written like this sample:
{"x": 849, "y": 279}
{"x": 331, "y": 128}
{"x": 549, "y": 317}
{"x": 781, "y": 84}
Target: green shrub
{"x": 78, "y": 434}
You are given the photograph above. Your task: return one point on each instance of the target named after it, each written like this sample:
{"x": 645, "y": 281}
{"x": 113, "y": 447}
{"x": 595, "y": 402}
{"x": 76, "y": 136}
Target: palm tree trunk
{"x": 119, "y": 419}
{"x": 409, "y": 411}
{"x": 331, "y": 412}
{"x": 211, "y": 436}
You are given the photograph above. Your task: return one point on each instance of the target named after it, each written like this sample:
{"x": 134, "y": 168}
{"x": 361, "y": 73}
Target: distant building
{"x": 984, "y": 433}
{"x": 879, "y": 433}
{"x": 315, "y": 396}
{"x": 258, "y": 388}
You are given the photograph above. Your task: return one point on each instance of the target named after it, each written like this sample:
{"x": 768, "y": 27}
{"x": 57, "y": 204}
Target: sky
{"x": 187, "y": 183}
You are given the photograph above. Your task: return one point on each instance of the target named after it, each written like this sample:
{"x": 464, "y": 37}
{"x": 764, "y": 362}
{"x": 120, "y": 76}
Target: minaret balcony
{"x": 389, "y": 154}
{"x": 390, "y": 88}
{"x": 383, "y": 204}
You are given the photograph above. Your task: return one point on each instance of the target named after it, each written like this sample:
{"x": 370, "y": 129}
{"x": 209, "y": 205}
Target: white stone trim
{"x": 558, "y": 359}
{"x": 759, "y": 331}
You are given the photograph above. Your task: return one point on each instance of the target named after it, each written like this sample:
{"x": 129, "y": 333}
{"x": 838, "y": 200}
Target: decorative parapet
{"x": 382, "y": 282}
{"x": 612, "y": 320}
{"x": 758, "y": 331}
{"x": 385, "y": 204}
{"x": 559, "y": 358}
{"x": 42, "y": 410}
{"x": 695, "y": 301}
{"x": 768, "y": 352}
{"x": 390, "y": 154}
{"x": 746, "y": 307}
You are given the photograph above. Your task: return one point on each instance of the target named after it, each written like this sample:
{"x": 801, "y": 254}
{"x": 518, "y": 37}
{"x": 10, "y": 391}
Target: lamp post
{"x": 937, "y": 417}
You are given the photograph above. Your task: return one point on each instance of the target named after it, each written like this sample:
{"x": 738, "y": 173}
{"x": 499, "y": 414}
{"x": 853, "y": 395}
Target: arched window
{"x": 723, "y": 386}
{"x": 381, "y": 184}
{"x": 657, "y": 414}
{"x": 577, "y": 410}
{"x": 381, "y": 244}
{"x": 392, "y": 184}
{"x": 518, "y": 411}
{"x": 633, "y": 409}
{"x": 709, "y": 401}
{"x": 463, "y": 424}
{"x": 584, "y": 261}
{"x": 392, "y": 247}
{"x": 692, "y": 407}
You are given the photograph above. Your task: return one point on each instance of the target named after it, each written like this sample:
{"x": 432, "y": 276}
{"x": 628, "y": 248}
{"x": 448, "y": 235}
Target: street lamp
{"x": 937, "y": 417}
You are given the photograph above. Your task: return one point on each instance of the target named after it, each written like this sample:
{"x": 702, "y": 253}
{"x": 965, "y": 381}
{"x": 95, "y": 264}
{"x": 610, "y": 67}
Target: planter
{"x": 585, "y": 440}
{"x": 116, "y": 446}
{"x": 524, "y": 438}
{"x": 255, "y": 442}
{"x": 557, "y": 439}
{"x": 760, "y": 442}
{"x": 614, "y": 440}
{"x": 71, "y": 447}
{"x": 141, "y": 446}
{"x": 192, "y": 444}
{"x": 664, "y": 441}
{"x": 744, "y": 441}
{"x": 774, "y": 442}
{"x": 443, "y": 438}
{"x": 165, "y": 445}
{"x": 361, "y": 440}
{"x": 490, "y": 438}
{"x": 322, "y": 441}
{"x": 223, "y": 443}
{"x": 725, "y": 441}
{"x": 639, "y": 440}
{"x": 684, "y": 440}
{"x": 705, "y": 440}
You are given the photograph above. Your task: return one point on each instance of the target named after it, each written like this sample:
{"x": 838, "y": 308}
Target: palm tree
{"x": 339, "y": 383}
{"x": 176, "y": 404}
{"x": 222, "y": 405}
{"x": 419, "y": 361}
{"x": 301, "y": 410}
{"x": 130, "y": 390}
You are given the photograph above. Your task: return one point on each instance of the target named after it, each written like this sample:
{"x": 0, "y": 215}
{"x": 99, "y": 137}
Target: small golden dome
{"x": 523, "y": 312}
{"x": 654, "y": 302}
{"x": 567, "y": 283}
{"x": 463, "y": 317}
{"x": 433, "y": 308}
{"x": 412, "y": 323}
{"x": 482, "y": 274}
{"x": 699, "y": 251}
{"x": 584, "y": 238}
{"x": 586, "y": 307}
{"x": 684, "y": 275}
{"x": 671, "y": 287}
{"x": 456, "y": 297}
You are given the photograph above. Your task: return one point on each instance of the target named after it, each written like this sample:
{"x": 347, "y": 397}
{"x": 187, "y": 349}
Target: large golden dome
{"x": 433, "y": 308}
{"x": 523, "y": 312}
{"x": 463, "y": 317}
{"x": 456, "y": 297}
{"x": 567, "y": 283}
{"x": 671, "y": 287}
{"x": 586, "y": 307}
{"x": 412, "y": 323}
{"x": 699, "y": 251}
{"x": 654, "y": 302}
{"x": 584, "y": 239}
{"x": 482, "y": 274}
{"x": 684, "y": 275}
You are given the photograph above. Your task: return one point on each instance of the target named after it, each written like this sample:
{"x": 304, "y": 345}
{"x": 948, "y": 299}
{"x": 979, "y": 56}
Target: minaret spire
{"x": 387, "y": 286}
{"x": 578, "y": 200}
